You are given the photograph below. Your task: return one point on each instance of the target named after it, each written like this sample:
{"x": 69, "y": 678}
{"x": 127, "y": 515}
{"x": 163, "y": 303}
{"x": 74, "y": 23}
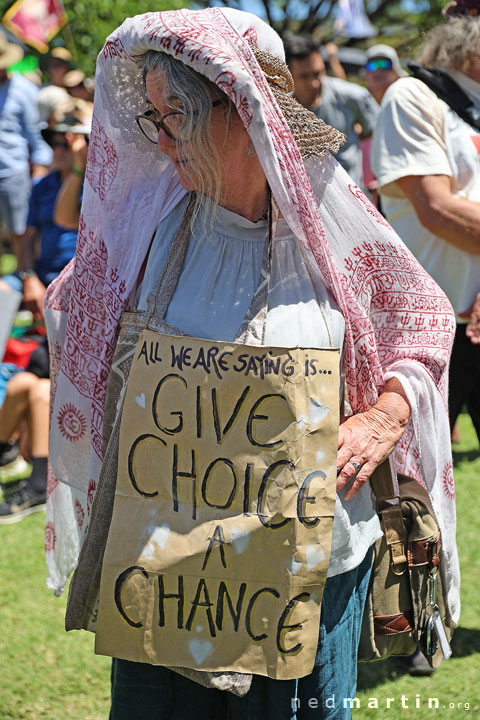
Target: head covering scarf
{"x": 398, "y": 322}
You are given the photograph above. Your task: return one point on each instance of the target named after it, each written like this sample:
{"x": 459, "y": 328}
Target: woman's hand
{"x": 368, "y": 438}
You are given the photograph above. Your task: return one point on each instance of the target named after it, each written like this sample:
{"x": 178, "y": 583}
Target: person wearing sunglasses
{"x": 345, "y": 106}
{"x": 426, "y": 156}
{"x": 382, "y": 68}
{"x": 56, "y": 243}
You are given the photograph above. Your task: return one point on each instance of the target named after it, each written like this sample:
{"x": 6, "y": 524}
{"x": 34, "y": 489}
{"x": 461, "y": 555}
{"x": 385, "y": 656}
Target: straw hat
{"x": 312, "y": 135}
{"x": 9, "y": 52}
{"x": 73, "y": 78}
{"x": 61, "y": 53}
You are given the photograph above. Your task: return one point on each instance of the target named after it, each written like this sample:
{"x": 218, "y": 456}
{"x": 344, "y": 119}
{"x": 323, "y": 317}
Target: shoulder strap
{"x": 385, "y": 487}
{"x": 449, "y": 91}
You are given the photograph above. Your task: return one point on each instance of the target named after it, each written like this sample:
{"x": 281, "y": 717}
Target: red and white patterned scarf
{"x": 398, "y": 321}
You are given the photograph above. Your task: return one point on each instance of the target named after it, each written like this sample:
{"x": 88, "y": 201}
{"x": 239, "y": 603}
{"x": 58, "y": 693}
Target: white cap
{"x": 388, "y": 52}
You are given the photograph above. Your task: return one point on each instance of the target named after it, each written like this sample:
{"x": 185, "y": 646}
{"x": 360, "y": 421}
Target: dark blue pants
{"x": 148, "y": 692}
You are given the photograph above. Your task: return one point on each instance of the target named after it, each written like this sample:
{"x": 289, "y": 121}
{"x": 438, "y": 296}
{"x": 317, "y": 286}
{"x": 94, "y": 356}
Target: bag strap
{"x": 384, "y": 484}
{"x": 449, "y": 91}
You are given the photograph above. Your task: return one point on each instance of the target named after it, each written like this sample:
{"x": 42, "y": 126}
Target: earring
{"x": 250, "y": 150}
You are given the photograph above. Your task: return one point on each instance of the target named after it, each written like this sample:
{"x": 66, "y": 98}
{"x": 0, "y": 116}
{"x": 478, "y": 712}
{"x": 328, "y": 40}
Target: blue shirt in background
{"x": 20, "y": 138}
{"x": 57, "y": 244}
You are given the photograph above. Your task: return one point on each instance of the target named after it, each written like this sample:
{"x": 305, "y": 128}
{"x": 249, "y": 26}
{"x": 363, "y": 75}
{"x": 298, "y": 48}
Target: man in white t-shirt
{"x": 426, "y": 157}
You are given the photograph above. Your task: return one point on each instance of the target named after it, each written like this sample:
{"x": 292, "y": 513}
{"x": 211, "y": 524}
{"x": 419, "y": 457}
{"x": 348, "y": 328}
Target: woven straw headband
{"x": 312, "y": 135}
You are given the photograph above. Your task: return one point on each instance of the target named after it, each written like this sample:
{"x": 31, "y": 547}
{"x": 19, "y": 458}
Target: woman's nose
{"x": 164, "y": 140}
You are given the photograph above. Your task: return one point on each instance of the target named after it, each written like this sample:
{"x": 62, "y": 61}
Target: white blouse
{"x": 218, "y": 280}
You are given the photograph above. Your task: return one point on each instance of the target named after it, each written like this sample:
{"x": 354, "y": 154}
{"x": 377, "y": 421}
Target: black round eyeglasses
{"x": 175, "y": 124}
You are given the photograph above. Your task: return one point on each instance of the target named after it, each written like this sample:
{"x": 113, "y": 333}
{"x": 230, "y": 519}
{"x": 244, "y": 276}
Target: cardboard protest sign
{"x": 220, "y": 538}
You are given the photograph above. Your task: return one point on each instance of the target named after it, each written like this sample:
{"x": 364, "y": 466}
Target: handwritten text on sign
{"x": 220, "y": 539}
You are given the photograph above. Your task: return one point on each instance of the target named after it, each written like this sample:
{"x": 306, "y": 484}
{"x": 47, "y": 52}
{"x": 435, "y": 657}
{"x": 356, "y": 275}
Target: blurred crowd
{"x": 412, "y": 145}
{"x": 44, "y": 134}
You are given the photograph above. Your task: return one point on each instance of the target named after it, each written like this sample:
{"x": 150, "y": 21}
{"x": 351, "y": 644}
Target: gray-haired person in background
{"x": 339, "y": 103}
{"x": 426, "y": 156}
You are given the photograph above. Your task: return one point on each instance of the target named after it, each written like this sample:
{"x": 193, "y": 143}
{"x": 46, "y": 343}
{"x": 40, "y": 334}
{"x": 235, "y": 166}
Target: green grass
{"x": 8, "y": 264}
{"x": 457, "y": 681}
{"x": 48, "y": 674}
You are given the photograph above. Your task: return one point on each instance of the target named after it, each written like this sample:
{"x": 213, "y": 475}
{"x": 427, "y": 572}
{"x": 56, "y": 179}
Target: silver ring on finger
{"x": 356, "y": 465}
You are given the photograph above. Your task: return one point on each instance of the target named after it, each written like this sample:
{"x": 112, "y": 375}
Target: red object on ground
{"x": 18, "y": 351}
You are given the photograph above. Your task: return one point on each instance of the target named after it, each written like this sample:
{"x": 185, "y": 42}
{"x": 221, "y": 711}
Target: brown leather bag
{"x": 406, "y": 602}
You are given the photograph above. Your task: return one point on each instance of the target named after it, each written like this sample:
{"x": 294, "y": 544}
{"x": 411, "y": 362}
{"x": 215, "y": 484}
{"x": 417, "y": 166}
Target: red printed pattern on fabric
{"x": 102, "y": 160}
{"x": 114, "y": 49}
{"x": 80, "y": 513}
{"x": 50, "y": 537}
{"x": 371, "y": 209}
{"x": 52, "y": 482}
{"x": 71, "y": 422}
{"x": 360, "y": 293}
{"x": 92, "y": 486}
{"x": 448, "y": 481}
{"x": 91, "y": 332}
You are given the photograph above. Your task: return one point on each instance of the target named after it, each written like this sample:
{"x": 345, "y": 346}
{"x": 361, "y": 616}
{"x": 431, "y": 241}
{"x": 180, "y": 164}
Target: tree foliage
{"x": 400, "y": 22}
{"x": 91, "y": 21}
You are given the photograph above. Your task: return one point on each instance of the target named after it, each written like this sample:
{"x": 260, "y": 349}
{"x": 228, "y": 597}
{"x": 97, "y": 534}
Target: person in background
{"x": 426, "y": 157}
{"x": 382, "y": 68}
{"x": 76, "y": 85}
{"x": 26, "y": 403}
{"x": 67, "y": 206}
{"x": 53, "y": 103}
{"x": 473, "y": 327}
{"x": 20, "y": 143}
{"x": 56, "y": 244}
{"x": 58, "y": 64}
{"x": 330, "y": 53}
{"x": 339, "y": 103}
{"x": 27, "y": 393}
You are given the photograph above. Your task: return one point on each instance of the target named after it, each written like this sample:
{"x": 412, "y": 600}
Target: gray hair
{"x": 453, "y": 44}
{"x": 194, "y": 92}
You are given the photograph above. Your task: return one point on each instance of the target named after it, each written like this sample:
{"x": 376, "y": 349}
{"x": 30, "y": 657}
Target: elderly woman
{"x": 213, "y": 209}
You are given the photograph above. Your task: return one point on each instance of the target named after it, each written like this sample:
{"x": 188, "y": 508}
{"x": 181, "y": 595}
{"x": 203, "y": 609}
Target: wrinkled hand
{"x": 368, "y": 438}
{"x": 33, "y": 296}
